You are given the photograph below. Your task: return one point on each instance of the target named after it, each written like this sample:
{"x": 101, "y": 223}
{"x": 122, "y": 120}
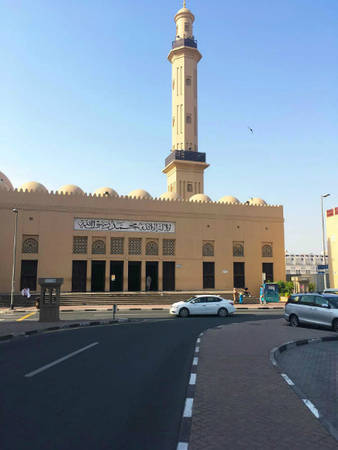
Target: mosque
{"x": 181, "y": 241}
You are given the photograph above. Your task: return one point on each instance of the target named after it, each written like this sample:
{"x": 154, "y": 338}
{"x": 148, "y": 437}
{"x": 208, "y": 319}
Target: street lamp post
{"x": 15, "y": 211}
{"x": 323, "y": 234}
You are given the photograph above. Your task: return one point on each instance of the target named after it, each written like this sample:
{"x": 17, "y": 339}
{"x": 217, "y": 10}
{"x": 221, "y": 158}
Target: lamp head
{"x": 14, "y": 210}
{"x": 325, "y": 195}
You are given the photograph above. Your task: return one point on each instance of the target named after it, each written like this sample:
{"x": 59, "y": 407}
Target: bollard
{"x": 114, "y": 311}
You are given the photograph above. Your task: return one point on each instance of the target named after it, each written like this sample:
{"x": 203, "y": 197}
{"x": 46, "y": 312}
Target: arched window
{"x": 99, "y": 247}
{"x": 208, "y": 249}
{"x": 30, "y": 245}
{"x": 238, "y": 249}
{"x": 152, "y": 248}
{"x": 267, "y": 251}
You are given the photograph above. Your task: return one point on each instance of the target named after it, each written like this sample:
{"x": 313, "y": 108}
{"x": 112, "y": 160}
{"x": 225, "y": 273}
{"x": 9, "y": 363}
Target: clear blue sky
{"x": 85, "y": 99}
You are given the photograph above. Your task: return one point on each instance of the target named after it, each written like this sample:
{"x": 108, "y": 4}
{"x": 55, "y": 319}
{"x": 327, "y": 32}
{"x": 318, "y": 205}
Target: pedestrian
{"x": 148, "y": 282}
{"x": 235, "y": 295}
{"x": 26, "y": 294}
{"x": 261, "y": 295}
{"x": 241, "y": 297}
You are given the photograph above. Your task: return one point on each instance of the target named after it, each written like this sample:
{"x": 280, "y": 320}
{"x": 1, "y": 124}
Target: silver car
{"x": 317, "y": 309}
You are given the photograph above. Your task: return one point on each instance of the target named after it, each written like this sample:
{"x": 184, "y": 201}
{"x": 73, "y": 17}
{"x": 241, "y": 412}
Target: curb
{"x": 9, "y": 337}
{"x": 274, "y": 354}
{"x": 186, "y": 420}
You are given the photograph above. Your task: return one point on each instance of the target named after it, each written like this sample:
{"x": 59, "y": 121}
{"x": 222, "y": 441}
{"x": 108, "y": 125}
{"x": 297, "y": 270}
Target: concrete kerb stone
{"x": 274, "y": 355}
{"x": 9, "y": 337}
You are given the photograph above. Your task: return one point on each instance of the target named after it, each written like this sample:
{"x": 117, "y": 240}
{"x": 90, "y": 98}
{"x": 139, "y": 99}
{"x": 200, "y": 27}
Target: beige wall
{"x": 332, "y": 243}
{"x": 51, "y": 217}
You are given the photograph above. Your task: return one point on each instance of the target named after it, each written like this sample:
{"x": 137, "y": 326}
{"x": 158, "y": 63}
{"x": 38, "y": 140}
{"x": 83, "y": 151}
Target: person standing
{"x": 261, "y": 296}
{"x": 235, "y": 295}
{"x": 241, "y": 297}
{"x": 148, "y": 282}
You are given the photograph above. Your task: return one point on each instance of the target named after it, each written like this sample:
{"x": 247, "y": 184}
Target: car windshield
{"x": 189, "y": 299}
{"x": 333, "y": 302}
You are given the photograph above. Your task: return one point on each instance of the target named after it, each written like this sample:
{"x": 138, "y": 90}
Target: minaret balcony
{"x": 185, "y": 155}
{"x": 188, "y": 42}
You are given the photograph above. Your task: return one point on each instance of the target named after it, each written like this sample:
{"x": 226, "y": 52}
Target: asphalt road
{"x": 124, "y": 390}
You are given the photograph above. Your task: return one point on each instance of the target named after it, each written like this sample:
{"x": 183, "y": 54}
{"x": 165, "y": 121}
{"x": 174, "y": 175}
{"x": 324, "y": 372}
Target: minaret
{"x": 185, "y": 165}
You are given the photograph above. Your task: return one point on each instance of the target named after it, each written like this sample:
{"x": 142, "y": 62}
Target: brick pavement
{"x": 241, "y": 401}
{"x": 313, "y": 368}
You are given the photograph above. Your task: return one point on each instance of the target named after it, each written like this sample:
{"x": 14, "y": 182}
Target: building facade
{"x": 332, "y": 244}
{"x": 180, "y": 241}
{"x": 305, "y": 269}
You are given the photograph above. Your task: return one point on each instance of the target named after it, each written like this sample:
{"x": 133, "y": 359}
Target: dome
{"x": 229, "y": 199}
{"x": 184, "y": 12}
{"x": 106, "y": 192}
{"x": 5, "y": 184}
{"x": 70, "y": 189}
{"x": 33, "y": 186}
{"x": 200, "y": 198}
{"x": 140, "y": 193}
{"x": 170, "y": 196}
{"x": 257, "y": 202}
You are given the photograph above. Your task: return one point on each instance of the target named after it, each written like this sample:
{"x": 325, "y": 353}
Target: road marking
{"x": 58, "y": 361}
{"x": 26, "y": 317}
{"x": 195, "y": 362}
{"x": 188, "y": 407}
{"x": 197, "y": 349}
{"x": 311, "y": 407}
{"x": 198, "y": 341}
{"x": 192, "y": 378}
{"x": 287, "y": 379}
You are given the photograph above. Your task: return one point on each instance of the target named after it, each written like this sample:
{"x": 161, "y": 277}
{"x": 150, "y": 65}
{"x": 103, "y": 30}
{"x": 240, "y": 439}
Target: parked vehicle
{"x": 203, "y": 304}
{"x": 331, "y": 291}
{"x": 317, "y": 309}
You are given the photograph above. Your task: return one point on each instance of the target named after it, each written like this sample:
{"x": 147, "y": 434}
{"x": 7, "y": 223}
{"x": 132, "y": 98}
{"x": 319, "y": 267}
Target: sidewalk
{"x": 28, "y": 309}
{"x": 241, "y": 400}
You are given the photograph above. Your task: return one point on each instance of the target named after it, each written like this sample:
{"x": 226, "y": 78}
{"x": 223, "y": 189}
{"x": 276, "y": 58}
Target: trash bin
{"x": 50, "y": 299}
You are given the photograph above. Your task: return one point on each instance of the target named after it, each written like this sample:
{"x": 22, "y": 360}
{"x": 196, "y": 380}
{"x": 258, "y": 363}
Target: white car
{"x": 203, "y": 304}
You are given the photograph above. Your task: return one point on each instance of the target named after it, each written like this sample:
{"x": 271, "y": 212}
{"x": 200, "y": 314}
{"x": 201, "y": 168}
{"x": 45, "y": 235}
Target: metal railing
{"x": 185, "y": 155}
{"x": 185, "y": 42}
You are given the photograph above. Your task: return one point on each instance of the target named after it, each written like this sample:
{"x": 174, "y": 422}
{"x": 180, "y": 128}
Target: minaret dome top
{"x": 184, "y": 20}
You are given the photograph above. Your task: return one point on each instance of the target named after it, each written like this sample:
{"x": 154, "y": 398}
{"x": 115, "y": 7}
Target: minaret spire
{"x": 185, "y": 165}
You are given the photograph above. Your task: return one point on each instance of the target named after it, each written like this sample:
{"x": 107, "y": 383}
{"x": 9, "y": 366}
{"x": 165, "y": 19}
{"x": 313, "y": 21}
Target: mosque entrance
{"x": 152, "y": 272}
{"x": 168, "y": 276}
{"x": 267, "y": 268}
{"x": 29, "y": 271}
{"x": 98, "y": 276}
{"x": 134, "y": 276}
{"x": 79, "y": 276}
{"x": 116, "y": 276}
{"x": 208, "y": 275}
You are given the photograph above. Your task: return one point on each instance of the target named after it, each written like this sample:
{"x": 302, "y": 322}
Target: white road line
{"x": 197, "y": 349}
{"x": 311, "y": 407}
{"x": 201, "y": 334}
{"x": 192, "y": 378}
{"x": 287, "y": 379}
{"x": 198, "y": 341}
{"x": 188, "y": 407}
{"x": 195, "y": 362}
{"x": 182, "y": 446}
{"x": 35, "y": 372}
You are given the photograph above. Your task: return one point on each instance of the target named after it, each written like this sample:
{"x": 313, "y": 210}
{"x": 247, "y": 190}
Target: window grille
{"x": 30, "y": 245}
{"x": 116, "y": 246}
{"x": 152, "y": 248}
{"x": 135, "y": 246}
{"x": 188, "y": 118}
{"x": 267, "y": 251}
{"x": 169, "y": 247}
{"x": 208, "y": 249}
{"x": 80, "y": 244}
{"x": 99, "y": 247}
{"x": 188, "y": 81}
{"x": 238, "y": 248}
{"x": 189, "y": 187}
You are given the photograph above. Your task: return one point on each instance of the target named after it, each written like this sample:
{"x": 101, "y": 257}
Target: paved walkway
{"x": 241, "y": 401}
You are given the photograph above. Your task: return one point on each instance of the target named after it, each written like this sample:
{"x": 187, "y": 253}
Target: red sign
{"x": 329, "y": 212}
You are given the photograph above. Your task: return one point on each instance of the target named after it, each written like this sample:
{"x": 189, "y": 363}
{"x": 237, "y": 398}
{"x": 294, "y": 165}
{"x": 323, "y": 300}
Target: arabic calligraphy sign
{"x": 82, "y": 224}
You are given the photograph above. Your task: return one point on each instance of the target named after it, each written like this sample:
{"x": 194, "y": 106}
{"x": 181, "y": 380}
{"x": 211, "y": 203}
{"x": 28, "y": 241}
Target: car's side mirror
{"x": 192, "y": 301}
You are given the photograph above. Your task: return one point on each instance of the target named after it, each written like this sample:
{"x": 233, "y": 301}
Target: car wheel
{"x": 184, "y": 312}
{"x": 335, "y": 325}
{"x": 294, "y": 322}
{"x": 223, "y": 312}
